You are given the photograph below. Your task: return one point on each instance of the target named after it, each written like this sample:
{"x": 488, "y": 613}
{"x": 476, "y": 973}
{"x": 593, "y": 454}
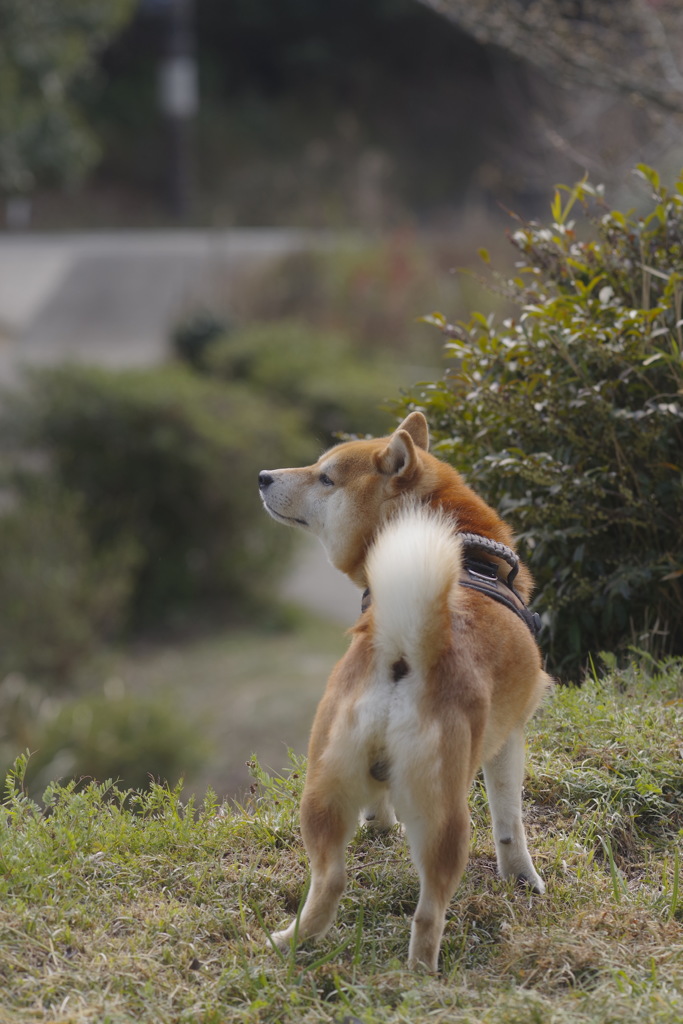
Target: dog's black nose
{"x": 264, "y": 480}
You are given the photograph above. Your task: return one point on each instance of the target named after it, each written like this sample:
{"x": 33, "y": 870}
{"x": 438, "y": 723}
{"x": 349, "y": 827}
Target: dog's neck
{"x": 468, "y": 513}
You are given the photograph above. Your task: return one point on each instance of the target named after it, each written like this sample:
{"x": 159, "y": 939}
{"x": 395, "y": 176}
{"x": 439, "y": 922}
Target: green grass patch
{"x": 118, "y": 906}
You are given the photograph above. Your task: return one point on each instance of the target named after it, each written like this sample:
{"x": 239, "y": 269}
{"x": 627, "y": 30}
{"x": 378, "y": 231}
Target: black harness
{"x": 481, "y": 574}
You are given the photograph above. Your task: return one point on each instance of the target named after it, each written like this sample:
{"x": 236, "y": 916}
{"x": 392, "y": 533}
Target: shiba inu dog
{"x": 440, "y": 676}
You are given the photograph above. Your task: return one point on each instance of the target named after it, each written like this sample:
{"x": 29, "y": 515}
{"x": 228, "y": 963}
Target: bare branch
{"x": 632, "y": 51}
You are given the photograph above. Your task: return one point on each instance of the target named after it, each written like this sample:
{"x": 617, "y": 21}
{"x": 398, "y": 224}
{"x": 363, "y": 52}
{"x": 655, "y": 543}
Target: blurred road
{"x": 111, "y": 298}
{"x": 318, "y": 586}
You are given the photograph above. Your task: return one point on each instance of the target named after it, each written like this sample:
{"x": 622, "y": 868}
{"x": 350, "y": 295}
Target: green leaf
{"x": 556, "y": 208}
{"x": 435, "y": 319}
{"x": 649, "y": 175}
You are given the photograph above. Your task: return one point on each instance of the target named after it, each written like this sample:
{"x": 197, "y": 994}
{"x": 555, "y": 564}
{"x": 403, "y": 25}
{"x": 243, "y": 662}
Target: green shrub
{"x": 164, "y": 460}
{"x": 59, "y": 600}
{"x": 568, "y": 417}
{"x": 334, "y": 387}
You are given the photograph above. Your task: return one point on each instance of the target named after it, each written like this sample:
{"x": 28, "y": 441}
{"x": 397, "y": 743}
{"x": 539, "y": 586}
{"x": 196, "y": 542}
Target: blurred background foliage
{"x": 48, "y": 62}
{"x": 130, "y": 504}
{"x": 162, "y": 462}
{"x": 325, "y": 115}
{"x": 403, "y": 132}
{"x": 336, "y": 114}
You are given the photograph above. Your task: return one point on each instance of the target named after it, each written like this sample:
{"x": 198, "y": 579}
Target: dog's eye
{"x": 325, "y": 480}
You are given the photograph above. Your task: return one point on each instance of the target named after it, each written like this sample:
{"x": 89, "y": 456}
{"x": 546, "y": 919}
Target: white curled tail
{"x": 413, "y": 568}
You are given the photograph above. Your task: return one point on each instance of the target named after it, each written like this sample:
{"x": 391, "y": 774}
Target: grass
{"x": 118, "y": 907}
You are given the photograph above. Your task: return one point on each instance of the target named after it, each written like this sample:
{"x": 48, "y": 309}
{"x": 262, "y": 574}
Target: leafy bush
{"x": 59, "y": 600}
{"x": 163, "y": 460}
{"x": 568, "y": 417}
{"x": 319, "y": 373}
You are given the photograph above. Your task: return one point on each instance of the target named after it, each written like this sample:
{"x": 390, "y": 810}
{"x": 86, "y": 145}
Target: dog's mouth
{"x": 291, "y": 520}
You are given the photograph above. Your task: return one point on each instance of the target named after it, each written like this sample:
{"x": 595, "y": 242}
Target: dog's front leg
{"x": 327, "y": 824}
{"x": 504, "y": 777}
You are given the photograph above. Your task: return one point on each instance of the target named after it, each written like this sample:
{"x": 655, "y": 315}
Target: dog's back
{"x": 424, "y": 692}
{"x": 438, "y": 647}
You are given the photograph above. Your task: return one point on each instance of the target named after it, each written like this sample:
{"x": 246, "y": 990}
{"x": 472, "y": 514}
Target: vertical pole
{"x": 179, "y": 99}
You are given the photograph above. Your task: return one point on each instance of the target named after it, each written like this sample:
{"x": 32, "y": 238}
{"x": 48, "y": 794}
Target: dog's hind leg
{"x": 328, "y": 821}
{"x": 439, "y": 850}
{"x": 504, "y": 777}
{"x": 430, "y": 788}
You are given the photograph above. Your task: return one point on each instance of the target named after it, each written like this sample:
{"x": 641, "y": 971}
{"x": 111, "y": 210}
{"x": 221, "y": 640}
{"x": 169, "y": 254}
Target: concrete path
{"x": 111, "y": 298}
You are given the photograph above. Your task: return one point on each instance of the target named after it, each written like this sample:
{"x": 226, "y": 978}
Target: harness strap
{"x": 475, "y": 540}
{"x": 501, "y": 591}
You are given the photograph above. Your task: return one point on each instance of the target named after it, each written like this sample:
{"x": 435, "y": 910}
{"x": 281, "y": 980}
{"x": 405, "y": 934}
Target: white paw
{"x": 533, "y": 881}
{"x": 281, "y": 939}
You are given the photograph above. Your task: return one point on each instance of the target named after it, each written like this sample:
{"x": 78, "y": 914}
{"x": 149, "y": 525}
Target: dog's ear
{"x": 399, "y": 458}
{"x": 415, "y": 424}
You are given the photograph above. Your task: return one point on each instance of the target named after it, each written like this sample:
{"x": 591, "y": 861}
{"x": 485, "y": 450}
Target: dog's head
{"x": 346, "y": 495}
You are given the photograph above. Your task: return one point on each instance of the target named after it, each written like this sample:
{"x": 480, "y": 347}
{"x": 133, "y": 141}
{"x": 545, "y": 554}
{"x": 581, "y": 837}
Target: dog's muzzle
{"x": 265, "y": 480}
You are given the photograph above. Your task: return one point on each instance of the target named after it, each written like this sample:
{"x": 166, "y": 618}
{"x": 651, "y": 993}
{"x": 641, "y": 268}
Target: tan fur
{"x": 410, "y": 733}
